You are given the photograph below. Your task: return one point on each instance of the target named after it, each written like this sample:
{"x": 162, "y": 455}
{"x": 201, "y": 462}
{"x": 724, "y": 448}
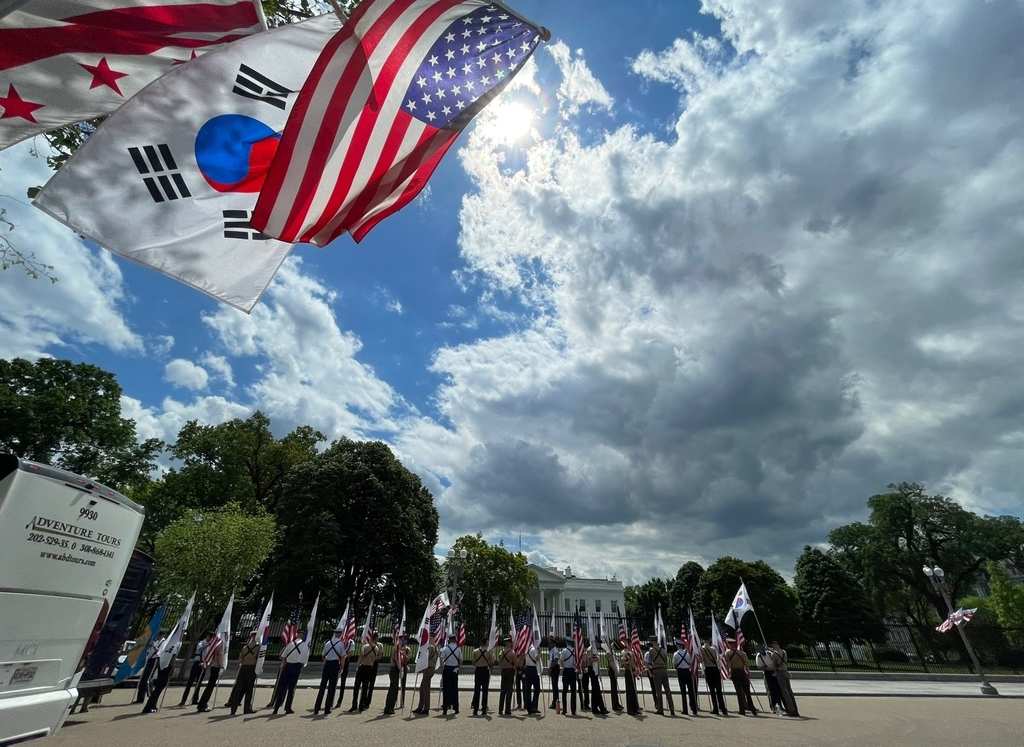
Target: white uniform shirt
{"x": 451, "y": 655}
{"x": 296, "y": 653}
{"x": 682, "y": 659}
{"x": 532, "y": 656}
{"x": 200, "y": 647}
{"x": 554, "y": 655}
{"x": 334, "y": 649}
{"x": 568, "y": 658}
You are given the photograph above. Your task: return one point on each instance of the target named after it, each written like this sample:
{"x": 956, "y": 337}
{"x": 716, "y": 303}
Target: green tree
{"x": 642, "y": 601}
{"x": 908, "y": 529}
{"x": 214, "y": 553}
{"x": 490, "y": 573}
{"x": 69, "y": 415}
{"x": 1006, "y": 599}
{"x": 356, "y": 523}
{"x": 832, "y": 602}
{"x": 683, "y": 594}
{"x": 772, "y": 598}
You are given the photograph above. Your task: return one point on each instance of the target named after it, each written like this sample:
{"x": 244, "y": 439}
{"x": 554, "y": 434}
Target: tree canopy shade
{"x": 832, "y": 602}
{"x": 356, "y": 523}
{"x": 908, "y": 529}
{"x": 771, "y": 597}
{"x": 683, "y": 591}
{"x": 214, "y": 553}
{"x": 642, "y": 601}
{"x": 69, "y": 415}
{"x": 490, "y": 573}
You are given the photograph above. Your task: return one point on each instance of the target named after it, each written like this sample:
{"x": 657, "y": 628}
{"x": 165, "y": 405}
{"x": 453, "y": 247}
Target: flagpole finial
{"x": 545, "y": 35}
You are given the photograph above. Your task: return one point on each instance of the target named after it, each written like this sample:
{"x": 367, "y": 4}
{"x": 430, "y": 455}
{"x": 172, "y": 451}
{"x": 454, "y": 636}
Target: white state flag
{"x": 170, "y": 180}
{"x": 65, "y": 61}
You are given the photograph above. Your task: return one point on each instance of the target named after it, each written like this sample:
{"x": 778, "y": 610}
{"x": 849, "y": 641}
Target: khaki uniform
{"x": 508, "y": 660}
{"x": 713, "y": 678}
{"x": 245, "y": 680}
{"x": 781, "y": 660}
{"x": 483, "y": 660}
{"x": 423, "y": 707}
{"x": 396, "y": 676}
{"x": 630, "y": 670}
{"x": 364, "y": 677}
{"x": 659, "y": 679}
{"x": 739, "y": 665}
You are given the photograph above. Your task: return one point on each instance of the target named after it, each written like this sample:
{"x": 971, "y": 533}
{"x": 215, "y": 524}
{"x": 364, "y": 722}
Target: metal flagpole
{"x": 415, "y": 688}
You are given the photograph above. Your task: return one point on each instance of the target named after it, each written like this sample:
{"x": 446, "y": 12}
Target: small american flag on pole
{"x": 389, "y": 95}
{"x": 577, "y": 637}
{"x": 718, "y": 641}
{"x": 623, "y": 636}
{"x": 524, "y": 633}
{"x": 348, "y": 633}
{"x": 638, "y": 653}
{"x": 291, "y": 628}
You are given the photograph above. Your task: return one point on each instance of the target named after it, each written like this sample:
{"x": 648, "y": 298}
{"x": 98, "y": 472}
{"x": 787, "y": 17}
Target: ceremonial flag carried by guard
{"x": 172, "y": 641}
{"x": 460, "y": 631}
{"x": 536, "y": 638}
{"x": 310, "y": 627}
{"x": 171, "y": 179}
{"x": 65, "y": 61}
{"x": 397, "y": 634}
{"x": 695, "y": 644}
{"x": 291, "y": 627}
{"x": 638, "y": 654}
{"x": 741, "y": 605}
{"x": 492, "y": 637}
{"x": 659, "y": 628}
{"x": 216, "y": 654}
{"x": 136, "y": 658}
{"x": 523, "y": 634}
{"x": 960, "y": 617}
{"x": 577, "y": 638}
{"x": 605, "y": 643}
{"x": 263, "y": 634}
{"x": 368, "y": 626}
{"x": 718, "y": 641}
{"x": 422, "y": 653}
{"x": 623, "y": 636}
{"x": 385, "y": 101}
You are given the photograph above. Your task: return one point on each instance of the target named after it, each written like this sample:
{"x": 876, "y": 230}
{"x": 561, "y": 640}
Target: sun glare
{"x": 509, "y": 122}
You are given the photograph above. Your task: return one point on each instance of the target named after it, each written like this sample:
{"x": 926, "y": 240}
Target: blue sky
{"x": 747, "y": 267}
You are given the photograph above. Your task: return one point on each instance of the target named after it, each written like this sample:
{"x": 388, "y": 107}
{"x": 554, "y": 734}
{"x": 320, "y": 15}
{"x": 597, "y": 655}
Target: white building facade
{"x": 560, "y": 591}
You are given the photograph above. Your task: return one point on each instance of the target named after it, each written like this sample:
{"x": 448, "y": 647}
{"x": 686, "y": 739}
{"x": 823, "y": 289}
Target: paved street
{"x": 826, "y": 721}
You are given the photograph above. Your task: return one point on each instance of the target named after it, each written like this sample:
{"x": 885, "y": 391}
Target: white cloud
{"x": 220, "y": 366}
{"x": 83, "y": 306}
{"x": 186, "y": 374}
{"x": 579, "y": 87}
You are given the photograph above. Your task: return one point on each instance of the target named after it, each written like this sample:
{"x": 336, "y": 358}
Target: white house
{"x": 561, "y": 591}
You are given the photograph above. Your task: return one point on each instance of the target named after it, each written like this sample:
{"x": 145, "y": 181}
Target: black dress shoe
{"x": 327, "y": 712}
{"x": 204, "y": 709}
{"x": 149, "y": 710}
{"x": 288, "y": 710}
{"x": 248, "y": 712}
{"x": 353, "y": 709}
{"x": 234, "y": 711}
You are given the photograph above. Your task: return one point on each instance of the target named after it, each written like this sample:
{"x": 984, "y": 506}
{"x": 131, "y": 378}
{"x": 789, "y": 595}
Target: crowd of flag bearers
{"x": 577, "y": 679}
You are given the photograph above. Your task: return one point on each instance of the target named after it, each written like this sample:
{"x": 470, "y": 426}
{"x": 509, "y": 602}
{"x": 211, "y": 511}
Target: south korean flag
{"x": 170, "y": 180}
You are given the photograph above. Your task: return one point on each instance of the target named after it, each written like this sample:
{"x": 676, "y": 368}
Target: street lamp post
{"x": 456, "y": 565}
{"x": 938, "y": 578}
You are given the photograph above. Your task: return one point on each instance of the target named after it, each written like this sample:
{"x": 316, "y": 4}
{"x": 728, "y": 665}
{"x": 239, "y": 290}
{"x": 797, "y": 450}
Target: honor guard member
{"x": 507, "y": 660}
{"x": 658, "y": 658}
{"x": 682, "y": 660}
{"x": 630, "y": 669}
{"x": 554, "y": 669}
{"x": 482, "y": 660}
{"x": 713, "y": 678}
{"x": 423, "y": 707}
{"x": 451, "y": 660}
{"x": 142, "y": 691}
{"x": 293, "y": 658}
{"x": 364, "y": 675}
{"x": 378, "y": 655}
{"x": 396, "y": 674}
{"x": 333, "y": 653}
{"x": 593, "y": 673}
{"x": 214, "y": 667}
{"x": 781, "y": 660}
{"x": 613, "y": 675}
{"x": 739, "y": 665}
{"x": 531, "y": 678}
{"x": 245, "y": 680}
{"x": 570, "y": 683}
{"x": 164, "y": 664}
{"x": 346, "y": 659}
{"x": 195, "y": 674}
{"x": 520, "y": 662}
{"x": 766, "y": 664}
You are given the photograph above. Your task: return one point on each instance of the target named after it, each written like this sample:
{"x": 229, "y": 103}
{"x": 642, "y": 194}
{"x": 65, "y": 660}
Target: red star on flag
{"x": 102, "y": 75}
{"x": 182, "y": 62}
{"x": 15, "y": 106}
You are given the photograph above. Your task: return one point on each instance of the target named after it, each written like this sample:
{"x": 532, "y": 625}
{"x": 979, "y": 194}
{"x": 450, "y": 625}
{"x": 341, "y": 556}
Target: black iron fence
{"x": 904, "y": 648}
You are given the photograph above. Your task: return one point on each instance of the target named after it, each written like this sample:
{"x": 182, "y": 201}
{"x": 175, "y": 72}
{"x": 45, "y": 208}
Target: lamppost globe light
{"x": 939, "y": 573}
{"x": 463, "y": 553}
{"x": 928, "y": 571}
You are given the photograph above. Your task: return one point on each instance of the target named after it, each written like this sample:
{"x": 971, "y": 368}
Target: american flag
{"x": 684, "y": 636}
{"x": 291, "y": 628}
{"x": 397, "y": 636}
{"x": 348, "y": 634}
{"x": 524, "y": 633}
{"x": 718, "y": 637}
{"x": 695, "y": 644}
{"x": 623, "y": 636}
{"x": 577, "y": 638}
{"x": 211, "y": 650}
{"x": 460, "y": 633}
{"x": 437, "y": 627}
{"x": 638, "y": 653}
{"x": 387, "y": 98}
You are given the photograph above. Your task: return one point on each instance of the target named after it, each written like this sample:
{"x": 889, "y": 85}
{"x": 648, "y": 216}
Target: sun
{"x": 507, "y": 122}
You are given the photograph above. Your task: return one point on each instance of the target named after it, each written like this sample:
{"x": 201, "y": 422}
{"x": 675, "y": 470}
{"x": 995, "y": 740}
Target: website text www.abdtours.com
{"x": 67, "y": 558}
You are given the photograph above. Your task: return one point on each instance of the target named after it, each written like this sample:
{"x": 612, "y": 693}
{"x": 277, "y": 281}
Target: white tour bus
{"x": 65, "y": 542}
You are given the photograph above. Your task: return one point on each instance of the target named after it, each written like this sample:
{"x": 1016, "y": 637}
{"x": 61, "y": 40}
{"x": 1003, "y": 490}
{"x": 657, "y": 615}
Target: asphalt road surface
{"x": 903, "y": 721}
